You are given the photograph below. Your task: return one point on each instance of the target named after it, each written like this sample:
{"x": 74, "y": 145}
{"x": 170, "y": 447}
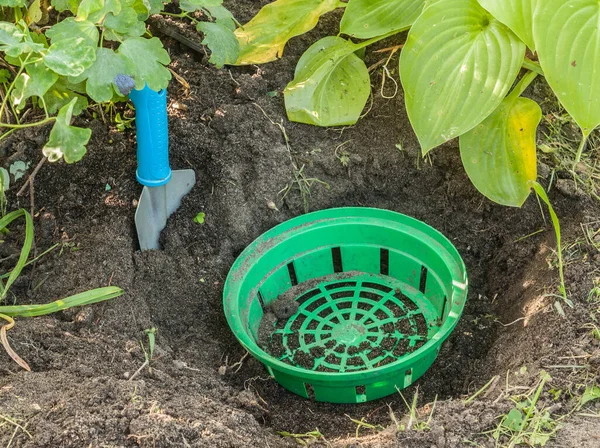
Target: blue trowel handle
{"x": 152, "y": 136}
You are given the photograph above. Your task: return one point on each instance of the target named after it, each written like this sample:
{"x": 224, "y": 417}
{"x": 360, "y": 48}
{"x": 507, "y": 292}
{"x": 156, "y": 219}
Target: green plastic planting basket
{"x": 346, "y": 305}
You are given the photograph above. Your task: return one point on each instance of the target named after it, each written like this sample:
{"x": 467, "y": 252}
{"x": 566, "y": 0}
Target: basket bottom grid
{"x": 350, "y": 322}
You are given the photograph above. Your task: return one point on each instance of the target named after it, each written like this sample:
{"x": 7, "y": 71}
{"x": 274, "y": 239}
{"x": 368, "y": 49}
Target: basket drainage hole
{"x": 361, "y": 394}
{"x": 310, "y": 391}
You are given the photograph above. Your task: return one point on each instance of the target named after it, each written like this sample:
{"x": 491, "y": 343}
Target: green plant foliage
{"x": 371, "y": 18}
{"x": 65, "y": 140}
{"x": 59, "y": 65}
{"x": 456, "y": 72}
{"x": 331, "y": 84}
{"x": 567, "y": 39}
{"x": 499, "y": 154}
{"x": 223, "y": 44}
{"x": 516, "y": 14}
{"x": 264, "y": 37}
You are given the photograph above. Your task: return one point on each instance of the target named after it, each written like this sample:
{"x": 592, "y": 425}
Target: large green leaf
{"x": 215, "y": 9}
{"x": 70, "y": 57}
{"x": 15, "y": 42}
{"x": 331, "y": 85}
{"x": 70, "y": 28}
{"x": 66, "y": 141}
{"x": 96, "y": 10}
{"x": 148, "y": 57}
{"x": 567, "y": 37}
{"x": 516, "y": 14}
{"x": 100, "y": 76}
{"x": 370, "y": 18}
{"x": 499, "y": 155}
{"x": 124, "y": 23}
{"x": 264, "y": 37}
{"x": 61, "y": 94}
{"x": 456, "y": 67}
{"x": 224, "y": 47}
{"x": 35, "y": 82}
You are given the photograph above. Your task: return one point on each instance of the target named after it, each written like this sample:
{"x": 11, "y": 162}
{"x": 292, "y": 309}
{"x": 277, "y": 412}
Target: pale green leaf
{"x": 15, "y": 42}
{"x": 100, "y": 76}
{"x": 64, "y": 5}
{"x": 456, "y": 68}
{"x": 591, "y": 393}
{"x": 96, "y": 10}
{"x": 223, "y": 45}
{"x": 66, "y": 141}
{"x": 514, "y": 420}
{"x": 70, "y": 57}
{"x": 499, "y": 155}
{"x": 149, "y": 59}
{"x": 13, "y": 3}
{"x": 36, "y": 81}
{"x": 516, "y": 14}
{"x": 70, "y": 28}
{"x": 214, "y": 8}
{"x": 371, "y": 18}
{"x": 264, "y": 37}
{"x": 61, "y": 94}
{"x": 331, "y": 85}
{"x": 125, "y": 23}
{"x": 567, "y": 37}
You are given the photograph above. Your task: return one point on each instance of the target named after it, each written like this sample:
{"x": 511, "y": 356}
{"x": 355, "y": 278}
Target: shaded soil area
{"x": 200, "y": 390}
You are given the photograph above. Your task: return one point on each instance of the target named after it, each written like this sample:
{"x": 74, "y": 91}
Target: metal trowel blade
{"x": 156, "y": 204}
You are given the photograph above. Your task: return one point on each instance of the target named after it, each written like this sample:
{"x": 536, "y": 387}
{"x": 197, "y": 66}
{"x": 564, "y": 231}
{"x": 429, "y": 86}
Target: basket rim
{"x": 281, "y": 232}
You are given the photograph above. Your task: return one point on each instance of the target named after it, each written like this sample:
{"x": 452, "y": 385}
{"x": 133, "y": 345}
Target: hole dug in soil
{"x": 200, "y": 390}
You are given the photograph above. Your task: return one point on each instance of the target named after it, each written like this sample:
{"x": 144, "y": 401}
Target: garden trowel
{"x": 163, "y": 188}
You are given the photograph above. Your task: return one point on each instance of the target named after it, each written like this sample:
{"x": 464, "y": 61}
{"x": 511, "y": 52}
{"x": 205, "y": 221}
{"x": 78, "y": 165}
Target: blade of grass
{"x": 83, "y": 298}
{"x": 539, "y": 190}
{"x": 5, "y": 221}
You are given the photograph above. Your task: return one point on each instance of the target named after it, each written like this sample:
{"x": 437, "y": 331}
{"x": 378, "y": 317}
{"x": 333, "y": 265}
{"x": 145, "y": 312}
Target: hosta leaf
{"x": 516, "y": 14}
{"x": 223, "y": 45}
{"x": 15, "y": 42}
{"x": 499, "y": 154}
{"x": 456, "y": 67}
{"x": 264, "y": 37}
{"x": 567, "y": 37}
{"x": 70, "y": 57}
{"x": 331, "y": 85}
{"x": 70, "y": 28}
{"x": 35, "y": 82}
{"x": 96, "y": 10}
{"x": 370, "y": 18}
{"x": 66, "y": 141}
{"x": 148, "y": 57}
{"x": 101, "y": 75}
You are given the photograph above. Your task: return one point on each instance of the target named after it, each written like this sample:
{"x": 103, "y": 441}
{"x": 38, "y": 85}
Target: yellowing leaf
{"x": 499, "y": 155}
{"x": 264, "y": 37}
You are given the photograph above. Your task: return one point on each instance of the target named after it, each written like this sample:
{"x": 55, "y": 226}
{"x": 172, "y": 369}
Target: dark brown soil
{"x": 200, "y": 390}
